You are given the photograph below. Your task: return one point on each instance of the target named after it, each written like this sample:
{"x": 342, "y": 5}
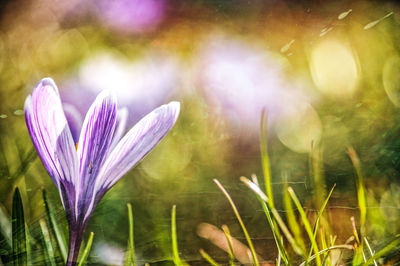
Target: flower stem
{"x": 75, "y": 240}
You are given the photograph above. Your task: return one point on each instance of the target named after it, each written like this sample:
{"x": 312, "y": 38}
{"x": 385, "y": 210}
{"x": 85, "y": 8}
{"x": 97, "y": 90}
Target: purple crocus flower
{"x": 84, "y": 171}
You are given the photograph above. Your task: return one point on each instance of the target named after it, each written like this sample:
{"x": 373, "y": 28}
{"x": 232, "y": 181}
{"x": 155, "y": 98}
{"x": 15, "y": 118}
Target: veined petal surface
{"x": 122, "y": 118}
{"x": 136, "y": 144}
{"x": 52, "y": 137}
{"x": 94, "y": 142}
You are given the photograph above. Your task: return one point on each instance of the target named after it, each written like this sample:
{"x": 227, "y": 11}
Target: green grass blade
{"x": 292, "y": 220}
{"x": 320, "y": 212}
{"x": 55, "y": 227}
{"x": 30, "y": 241}
{"x": 228, "y": 237}
{"x": 263, "y": 200}
{"x": 85, "y": 253}
{"x": 279, "y": 260}
{"x": 175, "y": 252}
{"x": 362, "y": 201}
{"x": 5, "y": 236}
{"x": 271, "y": 221}
{"x": 131, "y": 240}
{"x": 316, "y": 172}
{"x": 306, "y": 224}
{"x": 5, "y": 226}
{"x": 265, "y": 158}
{"x": 127, "y": 258}
{"x": 387, "y": 249}
{"x": 322, "y": 252}
{"x": 362, "y": 205}
{"x": 251, "y": 247}
{"x": 47, "y": 242}
{"x": 19, "y": 253}
{"x": 358, "y": 257}
{"x": 371, "y": 253}
{"x": 208, "y": 258}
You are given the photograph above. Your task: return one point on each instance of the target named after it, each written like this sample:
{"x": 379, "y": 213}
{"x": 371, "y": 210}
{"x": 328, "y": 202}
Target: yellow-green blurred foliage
{"x": 346, "y": 68}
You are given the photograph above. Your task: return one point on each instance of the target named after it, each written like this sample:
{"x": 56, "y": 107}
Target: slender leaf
{"x": 5, "y": 226}
{"x": 19, "y": 239}
{"x": 306, "y": 224}
{"x": 253, "y": 252}
{"x": 131, "y": 240}
{"x": 127, "y": 258}
{"x": 208, "y": 258}
{"x": 371, "y": 253}
{"x": 362, "y": 201}
{"x": 325, "y": 251}
{"x": 320, "y": 212}
{"x": 291, "y": 218}
{"x": 228, "y": 237}
{"x": 265, "y": 158}
{"x": 5, "y": 236}
{"x": 86, "y": 251}
{"x": 177, "y": 260}
{"x": 264, "y": 199}
{"x": 362, "y": 205}
{"x": 384, "y": 251}
{"x": 47, "y": 242}
{"x": 55, "y": 227}
{"x": 272, "y": 222}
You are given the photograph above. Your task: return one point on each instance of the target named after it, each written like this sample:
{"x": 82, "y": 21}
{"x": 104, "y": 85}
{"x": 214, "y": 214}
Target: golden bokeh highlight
{"x": 334, "y": 68}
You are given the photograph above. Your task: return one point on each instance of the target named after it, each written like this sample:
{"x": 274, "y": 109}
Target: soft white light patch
{"x": 299, "y": 127}
{"x": 144, "y": 78}
{"x": 334, "y": 68}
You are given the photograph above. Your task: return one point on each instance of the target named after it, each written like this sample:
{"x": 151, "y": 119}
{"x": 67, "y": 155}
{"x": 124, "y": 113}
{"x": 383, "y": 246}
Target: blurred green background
{"x": 327, "y": 72}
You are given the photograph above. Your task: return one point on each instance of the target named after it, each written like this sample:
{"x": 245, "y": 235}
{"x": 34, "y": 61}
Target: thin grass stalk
{"x": 228, "y": 237}
{"x": 131, "y": 239}
{"x": 316, "y": 172}
{"x": 306, "y": 225}
{"x": 208, "y": 258}
{"x": 18, "y": 227}
{"x": 127, "y": 257}
{"x": 362, "y": 202}
{"x": 253, "y": 252}
{"x": 292, "y": 220}
{"x": 86, "y": 251}
{"x": 54, "y": 227}
{"x": 371, "y": 252}
{"x": 47, "y": 242}
{"x": 30, "y": 241}
{"x": 265, "y": 158}
{"x": 271, "y": 221}
{"x": 264, "y": 200}
{"x": 175, "y": 252}
{"x": 382, "y": 252}
{"x": 265, "y": 163}
{"x": 350, "y": 247}
{"x": 362, "y": 205}
{"x": 319, "y": 216}
{"x": 5, "y": 228}
{"x": 279, "y": 259}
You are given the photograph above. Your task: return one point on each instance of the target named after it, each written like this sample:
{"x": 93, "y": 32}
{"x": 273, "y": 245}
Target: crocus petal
{"x": 94, "y": 142}
{"x": 122, "y": 117}
{"x": 137, "y": 143}
{"x": 52, "y": 138}
{"x": 134, "y": 146}
{"x": 74, "y": 119}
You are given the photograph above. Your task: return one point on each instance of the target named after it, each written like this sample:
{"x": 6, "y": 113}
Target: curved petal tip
{"x": 175, "y": 106}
